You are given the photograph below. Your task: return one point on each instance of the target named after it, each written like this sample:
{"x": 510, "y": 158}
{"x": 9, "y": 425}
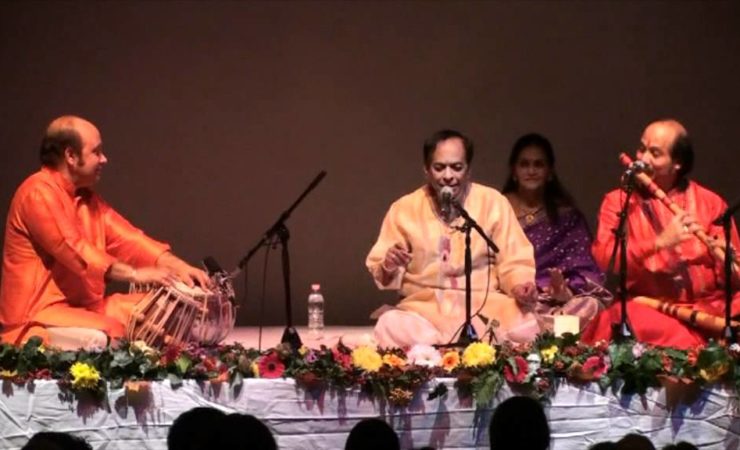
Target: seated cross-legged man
{"x": 63, "y": 242}
{"x": 420, "y": 253}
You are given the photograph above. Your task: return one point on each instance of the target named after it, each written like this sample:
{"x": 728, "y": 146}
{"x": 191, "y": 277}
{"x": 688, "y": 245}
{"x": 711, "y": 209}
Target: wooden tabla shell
{"x": 175, "y": 315}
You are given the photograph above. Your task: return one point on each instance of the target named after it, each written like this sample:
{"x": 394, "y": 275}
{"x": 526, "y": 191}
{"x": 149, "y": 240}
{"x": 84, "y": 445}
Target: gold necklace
{"x": 528, "y": 214}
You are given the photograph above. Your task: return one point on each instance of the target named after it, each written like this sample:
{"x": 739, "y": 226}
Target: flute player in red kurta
{"x": 665, "y": 259}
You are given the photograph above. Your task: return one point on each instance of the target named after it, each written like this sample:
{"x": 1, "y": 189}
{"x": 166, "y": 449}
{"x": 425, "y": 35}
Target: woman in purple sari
{"x": 568, "y": 279}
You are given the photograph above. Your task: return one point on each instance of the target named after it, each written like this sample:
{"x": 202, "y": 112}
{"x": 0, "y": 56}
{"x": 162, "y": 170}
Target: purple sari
{"x": 566, "y": 245}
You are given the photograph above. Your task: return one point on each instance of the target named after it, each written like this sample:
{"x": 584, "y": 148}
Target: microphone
{"x": 445, "y": 200}
{"x": 219, "y": 277}
{"x": 212, "y": 267}
{"x": 637, "y": 167}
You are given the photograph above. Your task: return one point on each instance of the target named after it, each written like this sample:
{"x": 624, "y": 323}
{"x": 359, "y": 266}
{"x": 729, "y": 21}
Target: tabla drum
{"x": 178, "y": 314}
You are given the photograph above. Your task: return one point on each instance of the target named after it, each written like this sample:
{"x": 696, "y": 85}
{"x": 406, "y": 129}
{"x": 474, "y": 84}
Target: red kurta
{"x": 58, "y": 245}
{"x": 686, "y": 274}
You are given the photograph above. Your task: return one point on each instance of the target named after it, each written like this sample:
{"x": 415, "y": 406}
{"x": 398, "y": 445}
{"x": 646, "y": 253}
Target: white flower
{"x": 637, "y": 350}
{"x": 424, "y": 355}
{"x": 533, "y": 361}
{"x": 735, "y": 348}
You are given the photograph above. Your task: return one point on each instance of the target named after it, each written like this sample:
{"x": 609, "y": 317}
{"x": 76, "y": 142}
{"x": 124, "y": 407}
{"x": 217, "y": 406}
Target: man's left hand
{"x": 185, "y": 272}
{"x": 192, "y": 275}
{"x": 525, "y": 294}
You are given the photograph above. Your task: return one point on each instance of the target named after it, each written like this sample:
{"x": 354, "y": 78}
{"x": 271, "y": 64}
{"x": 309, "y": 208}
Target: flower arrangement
{"x": 390, "y": 374}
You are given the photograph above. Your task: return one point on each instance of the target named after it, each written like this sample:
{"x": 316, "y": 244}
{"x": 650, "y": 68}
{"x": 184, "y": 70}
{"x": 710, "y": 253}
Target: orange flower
{"x": 450, "y": 360}
{"x": 393, "y": 360}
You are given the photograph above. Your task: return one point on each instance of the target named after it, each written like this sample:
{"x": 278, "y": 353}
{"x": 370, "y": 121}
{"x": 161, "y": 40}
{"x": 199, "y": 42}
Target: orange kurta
{"x": 685, "y": 275}
{"x": 59, "y": 243}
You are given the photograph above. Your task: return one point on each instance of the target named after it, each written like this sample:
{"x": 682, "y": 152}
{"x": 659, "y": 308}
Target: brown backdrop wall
{"x": 216, "y": 115}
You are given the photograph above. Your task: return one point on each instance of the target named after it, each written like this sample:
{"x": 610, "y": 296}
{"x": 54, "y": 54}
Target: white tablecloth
{"x": 579, "y": 415}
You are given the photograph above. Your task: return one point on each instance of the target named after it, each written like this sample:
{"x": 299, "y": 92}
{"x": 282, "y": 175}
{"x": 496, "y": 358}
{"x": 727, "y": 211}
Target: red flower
{"x": 41, "y": 374}
{"x": 343, "y": 359}
{"x": 210, "y": 363}
{"x": 596, "y": 366}
{"x": 170, "y": 355}
{"x": 522, "y": 368}
{"x": 270, "y": 366}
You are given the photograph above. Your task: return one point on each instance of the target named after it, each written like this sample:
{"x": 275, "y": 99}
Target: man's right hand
{"x": 681, "y": 227}
{"x": 396, "y": 257}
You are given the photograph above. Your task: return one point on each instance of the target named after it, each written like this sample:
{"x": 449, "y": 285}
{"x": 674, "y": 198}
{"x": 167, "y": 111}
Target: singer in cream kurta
{"x": 432, "y": 286}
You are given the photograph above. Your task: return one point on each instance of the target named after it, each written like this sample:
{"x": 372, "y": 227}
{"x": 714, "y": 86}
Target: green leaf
{"x": 486, "y": 386}
{"x": 183, "y": 363}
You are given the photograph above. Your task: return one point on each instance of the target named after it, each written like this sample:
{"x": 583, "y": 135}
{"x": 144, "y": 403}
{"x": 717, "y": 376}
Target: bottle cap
{"x": 315, "y": 287}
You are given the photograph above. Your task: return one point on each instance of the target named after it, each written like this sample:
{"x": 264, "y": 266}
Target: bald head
{"x": 65, "y": 132}
{"x": 671, "y": 126}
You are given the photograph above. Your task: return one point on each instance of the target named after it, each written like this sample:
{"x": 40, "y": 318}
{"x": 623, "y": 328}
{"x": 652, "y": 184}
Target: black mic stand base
{"x": 622, "y": 332}
{"x": 467, "y": 335}
{"x": 291, "y": 337}
{"x": 729, "y": 335}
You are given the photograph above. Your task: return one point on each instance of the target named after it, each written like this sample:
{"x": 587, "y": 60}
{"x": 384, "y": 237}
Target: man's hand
{"x": 183, "y": 271}
{"x": 525, "y": 294}
{"x": 396, "y": 257}
{"x": 681, "y": 227}
{"x": 152, "y": 275}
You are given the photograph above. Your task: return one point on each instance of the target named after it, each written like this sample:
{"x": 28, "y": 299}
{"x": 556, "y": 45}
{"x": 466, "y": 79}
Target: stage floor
{"x": 250, "y": 336}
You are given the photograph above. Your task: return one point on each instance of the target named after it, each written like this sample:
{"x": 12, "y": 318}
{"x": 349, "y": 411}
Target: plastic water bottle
{"x": 315, "y": 312}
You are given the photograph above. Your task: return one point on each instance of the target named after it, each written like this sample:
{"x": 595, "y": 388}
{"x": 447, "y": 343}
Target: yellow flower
{"x": 303, "y": 350}
{"x": 84, "y": 376}
{"x": 8, "y": 374}
{"x": 41, "y": 348}
{"x": 714, "y": 372}
{"x": 478, "y": 354}
{"x": 367, "y": 359}
{"x": 393, "y": 360}
{"x": 255, "y": 369}
{"x": 450, "y": 360}
{"x": 548, "y": 354}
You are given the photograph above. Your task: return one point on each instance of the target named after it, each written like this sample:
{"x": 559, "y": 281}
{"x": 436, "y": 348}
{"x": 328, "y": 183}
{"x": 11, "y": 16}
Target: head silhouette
{"x": 372, "y": 434}
{"x": 195, "y": 429}
{"x": 519, "y": 423}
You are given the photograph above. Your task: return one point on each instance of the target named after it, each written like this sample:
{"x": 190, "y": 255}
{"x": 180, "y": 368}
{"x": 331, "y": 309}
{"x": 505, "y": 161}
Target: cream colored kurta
{"x": 433, "y": 284}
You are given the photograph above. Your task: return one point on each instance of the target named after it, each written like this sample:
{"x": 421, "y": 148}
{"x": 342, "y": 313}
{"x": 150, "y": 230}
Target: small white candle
{"x": 566, "y": 324}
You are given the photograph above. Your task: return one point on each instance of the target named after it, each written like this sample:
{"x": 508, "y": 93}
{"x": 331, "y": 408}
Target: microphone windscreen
{"x": 212, "y": 267}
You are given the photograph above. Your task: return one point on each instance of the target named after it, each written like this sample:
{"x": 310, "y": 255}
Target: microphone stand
{"x": 621, "y": 331}
{"x": 279, "y": 230}
{"x": 468, "y": 333}
{"x": 729, "y": 334}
